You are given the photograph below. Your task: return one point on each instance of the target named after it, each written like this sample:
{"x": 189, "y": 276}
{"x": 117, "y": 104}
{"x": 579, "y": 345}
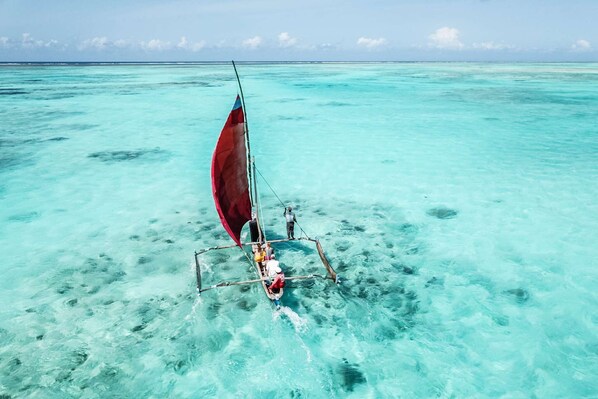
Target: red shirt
{"x": 278, "y": 282}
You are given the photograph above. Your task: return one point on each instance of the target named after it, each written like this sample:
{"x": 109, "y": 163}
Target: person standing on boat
{"x": 278, "y": 282}
{"x": 291, "y": 219}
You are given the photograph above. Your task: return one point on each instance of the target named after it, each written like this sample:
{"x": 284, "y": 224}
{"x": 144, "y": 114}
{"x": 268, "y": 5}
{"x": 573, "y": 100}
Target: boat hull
{"x": 262, "y": 273}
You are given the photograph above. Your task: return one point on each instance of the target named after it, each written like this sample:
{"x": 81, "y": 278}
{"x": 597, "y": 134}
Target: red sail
{"x": 230, "y": 185}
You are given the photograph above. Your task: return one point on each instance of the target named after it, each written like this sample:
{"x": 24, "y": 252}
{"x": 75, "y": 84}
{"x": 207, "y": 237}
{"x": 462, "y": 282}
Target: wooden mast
{"x": 250, "y": 161}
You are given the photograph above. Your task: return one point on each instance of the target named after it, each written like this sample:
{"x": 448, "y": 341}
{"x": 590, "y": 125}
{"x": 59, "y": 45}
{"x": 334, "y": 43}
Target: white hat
{"x": 278, "y": 269}
{"x": 272, "y": 256}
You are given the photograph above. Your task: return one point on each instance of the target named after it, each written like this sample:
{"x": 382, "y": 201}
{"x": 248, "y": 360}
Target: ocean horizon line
{"x": 225, "y": 62}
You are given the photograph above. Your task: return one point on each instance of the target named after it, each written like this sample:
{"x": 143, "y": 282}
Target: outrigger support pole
{"x": 229, "y": 283}
{"x": 331, "y": 272}
{"x": 198, "y": 274}
{"x": 246, "y": 244}
{"x": 201, "y": 251}
{"x": 332, "y": 275}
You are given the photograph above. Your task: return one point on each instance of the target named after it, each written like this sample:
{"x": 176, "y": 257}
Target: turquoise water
{"x": 457, "y": 201}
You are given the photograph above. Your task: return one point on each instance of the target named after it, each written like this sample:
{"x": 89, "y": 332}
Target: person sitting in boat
{"x": 291, "y": 219}
{"x": 272, "y": 266}
{"x": 269, "y": 251}
{"x": 254, "y": 229}
{"x": 259, "y": 256}
{"x": 278, "y": 282}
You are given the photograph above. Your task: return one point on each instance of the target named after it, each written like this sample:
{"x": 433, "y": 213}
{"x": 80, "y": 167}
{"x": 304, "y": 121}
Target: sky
{"x": 298, "y": 30}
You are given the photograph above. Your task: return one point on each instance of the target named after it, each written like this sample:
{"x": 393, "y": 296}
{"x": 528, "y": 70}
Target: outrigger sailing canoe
{"x": 234, "y": 188}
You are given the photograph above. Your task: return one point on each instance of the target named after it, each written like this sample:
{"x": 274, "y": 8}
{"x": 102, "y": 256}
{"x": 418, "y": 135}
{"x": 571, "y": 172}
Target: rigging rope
{"x": 279, "y": 200}
{"x": 259, "y": 204}
{"x": 270, "y": 187}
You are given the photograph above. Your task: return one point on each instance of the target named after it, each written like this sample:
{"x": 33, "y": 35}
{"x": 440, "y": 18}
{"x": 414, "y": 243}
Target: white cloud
{"x": 326, "y": 46}
{"x": 184, "y": 44}
{"x": 121, "y": 43}
{"x": 581, "y": 45}
{"x": 285, "y": 40}
{"x": 491, "y": 46}
{"x": 445, "y": 38}
{"x": 156, "y": 45}
{"x": 97, "y": 43}
{"x": 29, "y": 42}
{"x": 253, "y": 42}
{"x": 370, "y": 42}
{"x": 197, "y": 45}
{"x": 51, "y": 43}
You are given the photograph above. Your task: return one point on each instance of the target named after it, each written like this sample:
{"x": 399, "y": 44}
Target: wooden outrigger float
{"x": 234, "y": 187}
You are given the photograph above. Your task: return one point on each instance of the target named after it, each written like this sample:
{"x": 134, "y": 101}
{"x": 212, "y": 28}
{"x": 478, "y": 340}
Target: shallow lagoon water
{"x": 457, "y": 201}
